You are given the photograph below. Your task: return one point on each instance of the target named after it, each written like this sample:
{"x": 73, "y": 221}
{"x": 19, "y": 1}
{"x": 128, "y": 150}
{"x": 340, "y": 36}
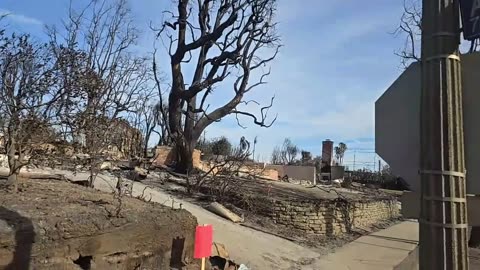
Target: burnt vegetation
{"x": 410, "y": 29}
{"x": 86, "y": 96}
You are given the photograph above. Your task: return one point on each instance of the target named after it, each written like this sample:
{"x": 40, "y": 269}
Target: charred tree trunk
{"x": 12, "y": 148}
{"x": 184, "y": 159}
{"x": 185, "y": 146}
{"x": 93, "y": 171}
{"x": 13, "y": 168}
{"x": 145, "y": 147}
{"x": 238, "y": 31}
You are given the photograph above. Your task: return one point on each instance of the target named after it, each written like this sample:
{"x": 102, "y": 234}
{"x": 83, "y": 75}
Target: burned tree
{"x": 161, "y": 116}
{"x": 221, "y": 146}
{"x": 223, "y": 40}
{"x": 285, "y": 154}
{"x": 149, "y": 115}
{"x": 28, "y": 92}
{"x": 143, "y": 117}
{"x": 340, "y": 152}
{"x": 276, "y": 157}
{"x": 410, "y": 28}
{"x": 105, "y": 79}
{"x": 289, "y": 152}
{"x": 225, "y": 174}
{"x": 160, "y": 109}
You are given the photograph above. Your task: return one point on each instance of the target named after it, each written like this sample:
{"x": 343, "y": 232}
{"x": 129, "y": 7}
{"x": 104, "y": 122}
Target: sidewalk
{"x": 382, "y": 250}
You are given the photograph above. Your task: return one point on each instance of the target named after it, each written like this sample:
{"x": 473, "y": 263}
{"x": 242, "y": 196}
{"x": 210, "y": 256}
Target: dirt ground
{"x": 280, "y": 190}
{"x": 51, "y": 224}
{"x": 275, "y": 190}
{"x": 258, "y": 243}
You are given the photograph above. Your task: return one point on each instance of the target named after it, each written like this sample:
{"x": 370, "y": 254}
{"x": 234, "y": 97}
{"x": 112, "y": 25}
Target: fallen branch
{"x": 37, "y": 176}
{"x": 224, "y": 212}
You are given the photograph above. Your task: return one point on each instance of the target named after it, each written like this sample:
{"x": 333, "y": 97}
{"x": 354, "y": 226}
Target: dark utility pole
{"x": 443, "y": 221}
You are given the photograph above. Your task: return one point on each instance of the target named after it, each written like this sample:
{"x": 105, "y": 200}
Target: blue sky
{"x": 338, "y": 58}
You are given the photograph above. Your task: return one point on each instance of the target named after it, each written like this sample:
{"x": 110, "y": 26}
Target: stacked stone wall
{"x": 332, "y": 217}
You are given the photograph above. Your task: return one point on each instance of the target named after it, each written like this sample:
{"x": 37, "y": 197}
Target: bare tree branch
{"x": 226, "y": 37}
{"x": 28, "y": 90}
{"x": 411, "y": 28}
{"x": 263, "y": 113}
{"x": 105, "y": 80}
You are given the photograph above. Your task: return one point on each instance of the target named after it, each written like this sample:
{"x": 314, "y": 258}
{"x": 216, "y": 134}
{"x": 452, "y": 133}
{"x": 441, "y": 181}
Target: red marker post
{"x": 203, "y": 243}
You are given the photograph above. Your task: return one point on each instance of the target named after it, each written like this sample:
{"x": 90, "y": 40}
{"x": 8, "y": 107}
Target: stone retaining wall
{"x": 332, "y": 217}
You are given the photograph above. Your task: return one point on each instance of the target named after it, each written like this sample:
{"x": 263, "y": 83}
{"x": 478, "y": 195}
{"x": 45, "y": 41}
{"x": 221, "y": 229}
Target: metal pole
{"x": 354, "y": 152}
{"x": 253, "y": 154}
{"x": 443, "y": 218}
{"x": 254, "y": 145}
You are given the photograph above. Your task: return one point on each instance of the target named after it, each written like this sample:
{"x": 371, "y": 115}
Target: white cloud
{"x": 19, "y": 18}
